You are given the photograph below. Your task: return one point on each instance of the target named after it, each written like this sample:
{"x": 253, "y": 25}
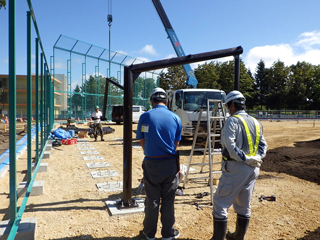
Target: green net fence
{"x": 79, "y": 73}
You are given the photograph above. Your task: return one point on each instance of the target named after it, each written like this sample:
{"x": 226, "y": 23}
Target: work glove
{"x": 181, "y": 175}
{"x": 254, "y": 161}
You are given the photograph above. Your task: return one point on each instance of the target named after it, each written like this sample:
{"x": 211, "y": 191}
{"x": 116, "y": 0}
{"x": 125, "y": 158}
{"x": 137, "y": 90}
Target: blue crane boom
{"x": 191, "y": 79}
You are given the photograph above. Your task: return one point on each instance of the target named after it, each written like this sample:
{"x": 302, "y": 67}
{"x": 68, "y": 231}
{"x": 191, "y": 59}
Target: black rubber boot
{"x": 241, "y": 228}
{"x": 219, "y": 228}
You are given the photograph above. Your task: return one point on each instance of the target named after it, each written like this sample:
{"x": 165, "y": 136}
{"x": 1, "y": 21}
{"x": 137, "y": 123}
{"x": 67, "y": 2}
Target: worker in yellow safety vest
{"x": 243, "y": 147}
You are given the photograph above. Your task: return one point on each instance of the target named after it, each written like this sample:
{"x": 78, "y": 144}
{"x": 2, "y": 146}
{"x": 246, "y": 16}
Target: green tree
{"x": 173, "y": 79}
{"x": 115, "y": 94}
{"x": 301, "y": 84}
{"x": 260, "y": 83}
{"x": 278, "y": 79}
{"x": 3, "y": 4}
{"x": 149, "y": 85}
{"x": 246, "y": 84}
{"x": 207, "y": 75}
{"x": 315, "y": 96}
{"x": 93, "y": 88}
{"x": 76, "y": 98}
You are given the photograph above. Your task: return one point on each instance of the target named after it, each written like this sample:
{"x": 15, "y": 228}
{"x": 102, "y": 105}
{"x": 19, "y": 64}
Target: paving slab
{"x": 98, "y": 165}
{"x": 110, "y": 186}
{"x": 86, "y": 158}
{"x": 106, "y": 173}
{"x": 86, "y": 148}
{"x": 90, "y": 152}
{"x": 82, "y": 140}
{"x": 81, "y": 144}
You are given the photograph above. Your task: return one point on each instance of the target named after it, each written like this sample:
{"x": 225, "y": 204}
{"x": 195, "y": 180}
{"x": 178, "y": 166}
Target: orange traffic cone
{"x": 21, "y": 120}
{"x": 7, "y": 121}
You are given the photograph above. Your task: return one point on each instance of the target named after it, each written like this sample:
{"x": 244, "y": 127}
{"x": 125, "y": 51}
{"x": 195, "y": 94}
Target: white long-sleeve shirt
{"x": 96, "y": 115}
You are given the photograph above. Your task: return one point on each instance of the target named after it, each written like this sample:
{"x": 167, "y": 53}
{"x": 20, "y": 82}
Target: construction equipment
{"x": 271, "y": 198}
{"x": 215, "y": 123}
{"x": 191, "y": 79}
{"x": 183, "y": 102}
{"x": 201, "y": 206}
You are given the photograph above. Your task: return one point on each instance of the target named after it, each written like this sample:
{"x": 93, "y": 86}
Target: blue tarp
{"x": 62, "y": 134}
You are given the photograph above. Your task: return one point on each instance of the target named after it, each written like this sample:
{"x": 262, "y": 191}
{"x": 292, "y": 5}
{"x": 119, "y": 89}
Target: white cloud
{"x": 122, "y": 52}
{"x": 149, "y": 49}
{"x": 307, "y": 49}
{"x": 170, "y": 56}
{"x": 60, "y": 65}
{"x": 309, "y": 39}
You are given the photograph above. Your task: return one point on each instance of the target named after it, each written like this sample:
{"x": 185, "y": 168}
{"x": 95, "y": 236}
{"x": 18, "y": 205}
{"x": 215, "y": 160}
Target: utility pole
{"x": 109, "y": 24}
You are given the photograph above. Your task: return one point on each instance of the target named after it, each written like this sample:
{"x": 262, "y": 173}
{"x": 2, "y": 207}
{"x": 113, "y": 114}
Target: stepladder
{"x": 215, "y": 115}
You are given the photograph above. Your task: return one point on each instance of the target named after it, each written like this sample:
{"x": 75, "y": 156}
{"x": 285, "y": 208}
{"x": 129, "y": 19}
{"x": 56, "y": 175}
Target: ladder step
{"x": 214, "y": 135}
{"x": 216, "y": 153}
{"x": 203, "y": 164}
{"x": 204, "y": 133}
{"x": 200, "y": 149}
{"x": 199, "y": 164}
{"x": 217, "y": 117}
{"x": 198, "y": 178}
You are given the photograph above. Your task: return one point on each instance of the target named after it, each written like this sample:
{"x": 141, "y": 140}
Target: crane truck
{"x": 186, "y": 103}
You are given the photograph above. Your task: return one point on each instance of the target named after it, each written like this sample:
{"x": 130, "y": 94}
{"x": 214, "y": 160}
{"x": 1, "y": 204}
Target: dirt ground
{"x": 73, "y": 208}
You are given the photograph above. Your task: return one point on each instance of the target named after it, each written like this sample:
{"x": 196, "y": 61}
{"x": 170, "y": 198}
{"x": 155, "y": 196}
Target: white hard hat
{"x": 158, "y": 93}
{"x": 235, "y": 96}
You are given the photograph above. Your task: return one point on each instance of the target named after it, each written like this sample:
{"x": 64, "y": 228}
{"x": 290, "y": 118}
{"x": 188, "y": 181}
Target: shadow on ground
{"x": 89, "y": 237}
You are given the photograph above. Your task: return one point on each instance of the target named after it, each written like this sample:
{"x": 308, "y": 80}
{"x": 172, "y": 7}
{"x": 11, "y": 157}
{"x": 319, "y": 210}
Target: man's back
{"x": 160, "y": 128}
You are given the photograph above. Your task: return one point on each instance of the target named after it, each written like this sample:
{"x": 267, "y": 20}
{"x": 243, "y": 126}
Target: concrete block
{"x": 46, "y": 155}
{"x": 48, "y": 147}
{"x": 42, "y": 168}
{"x": 50, "y": 142}
{"x": 113, "y": 207}
{"x": 26, "y": 231}
{"x": 37, "y": 188}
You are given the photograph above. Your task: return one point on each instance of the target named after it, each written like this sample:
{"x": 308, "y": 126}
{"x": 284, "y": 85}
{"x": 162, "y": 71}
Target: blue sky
{"x": 288, "y": 30}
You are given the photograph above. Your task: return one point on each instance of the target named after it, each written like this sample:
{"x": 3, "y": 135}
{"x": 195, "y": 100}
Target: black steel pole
{"x": 171, "y": 62}
{"x": 127, "y": 136}
{"x": 106, "y": 90}
{"x": 236, "y": 72}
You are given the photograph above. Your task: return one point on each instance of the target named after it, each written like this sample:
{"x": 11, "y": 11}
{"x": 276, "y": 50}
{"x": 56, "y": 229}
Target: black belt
{"x": 163, "y": 156}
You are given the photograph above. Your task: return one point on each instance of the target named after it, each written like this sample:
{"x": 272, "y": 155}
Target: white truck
{"x": 186, "y": 103}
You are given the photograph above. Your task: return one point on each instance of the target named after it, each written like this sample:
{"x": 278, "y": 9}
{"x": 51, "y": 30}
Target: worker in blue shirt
{"x": 159, "y": 132}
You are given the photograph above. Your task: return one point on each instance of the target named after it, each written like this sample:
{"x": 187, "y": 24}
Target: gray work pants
{"x": 161, "y": 181}
{"x": 235, "y": 187}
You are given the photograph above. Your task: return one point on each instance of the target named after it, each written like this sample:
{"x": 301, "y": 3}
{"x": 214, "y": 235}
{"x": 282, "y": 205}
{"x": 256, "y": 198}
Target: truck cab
{"x": 186, "y": 103}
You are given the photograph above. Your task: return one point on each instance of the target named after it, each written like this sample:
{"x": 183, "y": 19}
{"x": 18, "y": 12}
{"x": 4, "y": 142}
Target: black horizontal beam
{"x": 143, "y": 67}
{"x": 115, "y": 83}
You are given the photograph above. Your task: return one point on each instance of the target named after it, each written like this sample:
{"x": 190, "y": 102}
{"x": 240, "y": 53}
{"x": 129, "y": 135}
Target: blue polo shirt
{"x": 160, "y": 128}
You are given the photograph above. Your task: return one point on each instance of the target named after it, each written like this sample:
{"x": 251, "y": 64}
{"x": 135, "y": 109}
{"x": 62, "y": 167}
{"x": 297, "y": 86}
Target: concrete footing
{"x": 48, "y": 148}
{"x": 26, "y": 231}
{"x": 42, "y": 168}
{"x": 113, "y": 207}
{"x": 46, "y": 155}
{"x": 37, "y": 188}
